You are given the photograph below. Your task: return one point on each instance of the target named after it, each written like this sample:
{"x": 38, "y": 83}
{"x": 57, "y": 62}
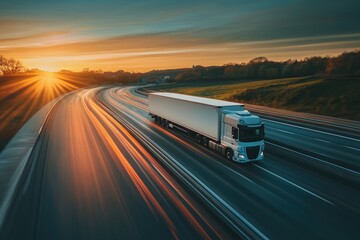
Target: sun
{"x": 48, "y": 68}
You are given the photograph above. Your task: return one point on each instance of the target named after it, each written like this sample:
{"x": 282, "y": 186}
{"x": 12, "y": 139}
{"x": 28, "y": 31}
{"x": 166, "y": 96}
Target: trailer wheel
{"x": 163, "y": 122}
{"x": 229, "y": 153}
{"x": 166, "y": 123}
{"x": 198, "y": 138}
{"x": 205, "y": 142}
{"x": 157, "y": 120}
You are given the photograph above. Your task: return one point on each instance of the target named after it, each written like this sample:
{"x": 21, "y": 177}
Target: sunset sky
{"x": 145, "y": 35}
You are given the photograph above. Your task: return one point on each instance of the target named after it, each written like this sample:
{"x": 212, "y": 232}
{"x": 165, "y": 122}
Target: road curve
{"x": 89, "y": 178}
{"x": 101, "y": 169}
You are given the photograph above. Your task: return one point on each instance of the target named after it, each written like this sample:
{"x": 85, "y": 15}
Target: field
{"x": 337, "y": 97}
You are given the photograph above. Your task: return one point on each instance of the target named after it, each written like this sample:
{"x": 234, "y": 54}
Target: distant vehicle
{"x": 225, "y": 127}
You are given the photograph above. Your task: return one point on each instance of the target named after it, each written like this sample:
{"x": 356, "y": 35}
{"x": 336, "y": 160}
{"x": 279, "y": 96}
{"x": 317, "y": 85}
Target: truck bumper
{"x": 247, "y": 156}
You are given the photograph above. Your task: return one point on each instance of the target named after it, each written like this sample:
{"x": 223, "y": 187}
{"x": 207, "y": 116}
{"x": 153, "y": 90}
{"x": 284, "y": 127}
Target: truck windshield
{"x": 251, "y": 134}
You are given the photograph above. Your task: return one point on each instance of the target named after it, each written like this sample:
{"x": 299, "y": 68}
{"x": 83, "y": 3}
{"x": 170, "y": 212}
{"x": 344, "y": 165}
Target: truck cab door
{"x": 229, "y": 136}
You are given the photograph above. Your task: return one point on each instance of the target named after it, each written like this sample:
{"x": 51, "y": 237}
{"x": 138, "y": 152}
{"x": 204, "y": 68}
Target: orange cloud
{"x": 59, "y": 50}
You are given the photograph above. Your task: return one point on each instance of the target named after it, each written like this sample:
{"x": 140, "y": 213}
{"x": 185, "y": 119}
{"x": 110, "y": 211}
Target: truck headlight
{"x": 262, "y": 150}
{"x": 241, "y": 156}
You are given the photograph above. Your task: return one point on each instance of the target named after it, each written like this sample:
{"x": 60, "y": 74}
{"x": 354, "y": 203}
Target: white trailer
{"x": 223, "y": 126}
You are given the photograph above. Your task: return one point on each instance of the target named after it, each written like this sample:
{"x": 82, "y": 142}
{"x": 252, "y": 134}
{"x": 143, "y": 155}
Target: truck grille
{"x": 252, "y": 152}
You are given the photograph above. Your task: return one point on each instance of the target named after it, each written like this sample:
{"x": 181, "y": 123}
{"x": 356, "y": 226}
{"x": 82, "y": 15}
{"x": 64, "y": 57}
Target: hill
{"x": 331, "y": 96}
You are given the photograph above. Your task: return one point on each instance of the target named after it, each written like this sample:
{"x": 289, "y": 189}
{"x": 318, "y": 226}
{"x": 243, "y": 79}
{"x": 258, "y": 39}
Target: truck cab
{"x": 243, "y": 136}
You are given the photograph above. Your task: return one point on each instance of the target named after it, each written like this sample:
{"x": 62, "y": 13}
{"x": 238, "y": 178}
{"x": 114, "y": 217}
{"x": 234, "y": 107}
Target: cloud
{"x": 32, "y": 39}
{"x": 137, "y": 34}
{"x": 122, "y": 44}
{"x": 9, "y": 26}
{"x": 146, "y": 52}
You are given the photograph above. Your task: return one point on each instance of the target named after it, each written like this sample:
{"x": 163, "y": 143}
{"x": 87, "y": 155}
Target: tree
{"x": 272, "y": 73}
{"x": 188, "y": 75}
{"x": 346, "y": 63}
{"x": 258, "y": 60}
{"x": 261, "y": 72}
{"x": 8, "y": 66}
{"x": 287, "y": 70}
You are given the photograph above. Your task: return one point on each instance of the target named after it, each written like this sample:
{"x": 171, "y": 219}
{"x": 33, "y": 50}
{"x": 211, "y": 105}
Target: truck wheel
{"x": 229, "y": 153}
{"x": 163, "y": 122}
{"x": 166, "y": 123}
{"x": 157, "y": 119}
{"x": 205, "y": 142}
{"x": 198, "y": 138}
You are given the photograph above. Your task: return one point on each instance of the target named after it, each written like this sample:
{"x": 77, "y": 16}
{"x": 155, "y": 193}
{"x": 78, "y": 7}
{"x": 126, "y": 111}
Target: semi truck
{"x": 225, "y": 127}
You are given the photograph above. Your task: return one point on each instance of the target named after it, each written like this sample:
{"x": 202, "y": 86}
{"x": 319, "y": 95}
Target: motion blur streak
{"x": 285, "y": 188}
{"x": 102, "y": 169}
{"x": 135, "y": 148}
{"x": 98, "y": 177}
{"x": 124, "y": 92}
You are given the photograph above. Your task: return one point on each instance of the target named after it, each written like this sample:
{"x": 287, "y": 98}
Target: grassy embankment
{"x": 337, "y": 97}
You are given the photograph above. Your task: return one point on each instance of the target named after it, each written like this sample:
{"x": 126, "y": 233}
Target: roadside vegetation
{"x": 346, "y": 64}
{"x": 331, "y": 96}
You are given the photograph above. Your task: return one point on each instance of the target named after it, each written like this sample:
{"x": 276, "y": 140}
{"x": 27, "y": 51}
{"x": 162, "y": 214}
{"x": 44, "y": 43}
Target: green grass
{"x": 337, "y": 97}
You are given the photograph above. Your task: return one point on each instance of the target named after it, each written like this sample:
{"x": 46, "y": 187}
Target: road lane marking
{"x": 280, "y": 130}
{"x": 332, "y": 134}
{"x": 295, "y": 185}
{"x": 316, "y": 159}
{"x": 223, "y": 202}
{"x": 321, "y": 140}
{"x": 40, "y": 129}
{"x": 356, "y": 149}
{"x": 239, "y": 174}
{"x": 285, "y": 131}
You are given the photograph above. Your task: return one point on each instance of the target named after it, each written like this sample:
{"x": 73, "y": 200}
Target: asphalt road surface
{"x": 102, "y": 169}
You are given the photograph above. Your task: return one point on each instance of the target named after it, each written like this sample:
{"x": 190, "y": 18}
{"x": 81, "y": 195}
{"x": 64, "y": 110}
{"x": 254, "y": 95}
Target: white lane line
{"x": 295, "y": 185}
{"x": 40, "y": 129}
{"x": 237, "y": 173}
{"x": 316, "y": 159}
{"x": 285, "y": 131}
{"x": 321, "y": 140}
{"x": 332, "y": 134}
{"x": 224, "y": 203}
{"x": 29, "y": 176}
{"x": 356, "y": 149}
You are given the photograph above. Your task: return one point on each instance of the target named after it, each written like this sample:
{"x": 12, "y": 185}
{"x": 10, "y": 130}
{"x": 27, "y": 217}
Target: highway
{"x": 102, "y": 169}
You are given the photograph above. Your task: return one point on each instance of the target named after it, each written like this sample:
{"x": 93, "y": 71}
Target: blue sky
{"x": 144, "y": 35}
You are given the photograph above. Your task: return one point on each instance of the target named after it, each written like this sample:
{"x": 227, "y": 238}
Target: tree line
{"x": 10, "y": 65}
{"x": 347, "y": 63}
